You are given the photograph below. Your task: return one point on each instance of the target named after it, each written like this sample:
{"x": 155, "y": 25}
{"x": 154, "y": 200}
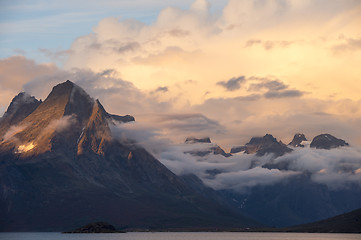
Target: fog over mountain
{"x": 336, "y": 167}
{"x": 277, "y": 184}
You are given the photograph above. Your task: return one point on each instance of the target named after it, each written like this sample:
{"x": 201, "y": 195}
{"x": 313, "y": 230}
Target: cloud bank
{"x": 289, "y": 39}
{"x": 337, "y": 168}
{"x": 228, "y": 120}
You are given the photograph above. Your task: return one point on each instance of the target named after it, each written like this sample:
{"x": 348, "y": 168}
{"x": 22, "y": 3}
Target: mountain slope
{"x": 345, "y": 223}
{"x": 63, "y": 169}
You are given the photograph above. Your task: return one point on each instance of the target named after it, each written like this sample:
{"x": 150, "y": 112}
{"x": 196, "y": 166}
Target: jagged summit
{"x": 20, "y": 107}
{"x": 269, "y": 144}
{"x": 66, "y": 106}
{"x": 58, "y": 121}
{"x": 297, "y": 140}
{"x": 19, "y": 101}
{"x": 262, "y": 146}
{"x": 268, "y": 138}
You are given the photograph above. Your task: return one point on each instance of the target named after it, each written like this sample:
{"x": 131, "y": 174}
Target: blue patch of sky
{"x": 27, "y": 26}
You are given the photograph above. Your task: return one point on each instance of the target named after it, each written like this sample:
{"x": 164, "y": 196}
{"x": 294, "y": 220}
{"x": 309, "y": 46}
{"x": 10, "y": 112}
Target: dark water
{"x": 180, "y": 236}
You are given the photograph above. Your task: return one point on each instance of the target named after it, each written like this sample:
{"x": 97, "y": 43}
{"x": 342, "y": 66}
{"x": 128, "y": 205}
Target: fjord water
{"x": 179, "y": 236}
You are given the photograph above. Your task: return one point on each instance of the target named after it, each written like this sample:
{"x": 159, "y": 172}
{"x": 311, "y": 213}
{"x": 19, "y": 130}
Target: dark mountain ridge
{"x": 349, "y": 222}
{"x": 297, "y": 200}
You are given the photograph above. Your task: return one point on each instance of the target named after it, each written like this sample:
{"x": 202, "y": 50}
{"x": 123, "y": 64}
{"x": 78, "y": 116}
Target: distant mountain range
{"x": 269, "y": 144}
{"x": 296, "y": 200}
{"x": 61, "y": 168}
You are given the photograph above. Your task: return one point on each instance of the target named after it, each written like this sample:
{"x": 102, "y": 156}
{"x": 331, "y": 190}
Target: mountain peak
{"x": 20, "y": 107}
{"x": 49, "y": 122}
{"x": 68, "y": 90}
{"x": 19, "y": 100}
{"x": 268, "y": 138}
{"x": 262, "y": 146}
{"x": 62, "y": 88}
{"x": 67, "y": 117}
{"x": 297, "y": 140}
{"x": 327, "y": 141}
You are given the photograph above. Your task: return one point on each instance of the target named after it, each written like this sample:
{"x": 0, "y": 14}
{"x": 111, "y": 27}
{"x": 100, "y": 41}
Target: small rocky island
{"x": 97, "y": 227}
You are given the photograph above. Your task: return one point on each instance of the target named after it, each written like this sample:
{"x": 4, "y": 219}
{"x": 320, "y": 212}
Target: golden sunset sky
{"x": 228, "y": 70}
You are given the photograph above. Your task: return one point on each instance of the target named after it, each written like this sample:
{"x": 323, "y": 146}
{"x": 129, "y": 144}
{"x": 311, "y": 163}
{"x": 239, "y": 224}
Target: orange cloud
{"x": 293, "y": 39}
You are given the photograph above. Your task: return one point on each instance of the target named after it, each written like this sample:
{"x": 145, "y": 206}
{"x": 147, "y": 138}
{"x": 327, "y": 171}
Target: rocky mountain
{"x": 269, "y": 144}
{"x": 262, "y": 146}
{"x": 207, "y": 147}
{"x": 327, "y": 141}
{"x": 297, "y": 140}
{"x": 61, "y": 167}
{"x": 21, "y": 106}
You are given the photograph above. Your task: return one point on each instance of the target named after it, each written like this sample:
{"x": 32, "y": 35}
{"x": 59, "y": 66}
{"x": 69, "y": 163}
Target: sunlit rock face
{"x": 56, "y": 122}
{"x": 25, "y": 148}
{"x": 61, "y": 167}
{"x": 48, "y": 120}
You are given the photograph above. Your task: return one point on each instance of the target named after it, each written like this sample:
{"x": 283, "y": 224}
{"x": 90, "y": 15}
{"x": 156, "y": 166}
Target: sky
{"x": 229, "y": 70}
